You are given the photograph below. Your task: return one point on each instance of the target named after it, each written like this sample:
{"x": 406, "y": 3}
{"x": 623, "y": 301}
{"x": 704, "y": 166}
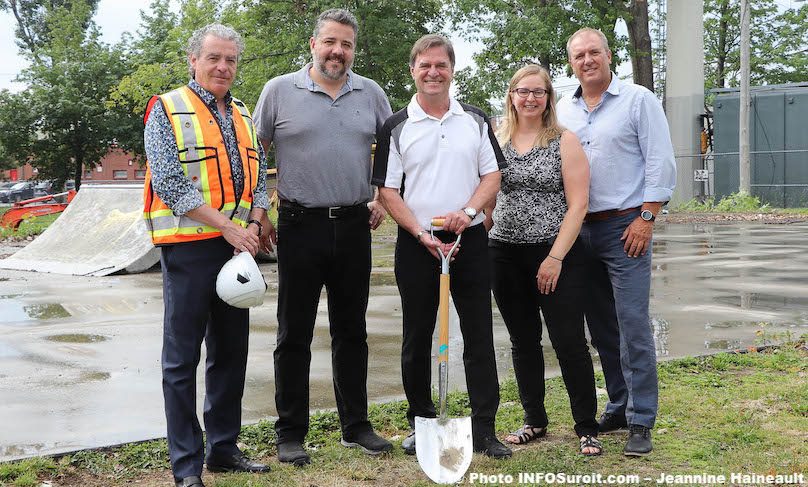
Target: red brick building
{"x": 117, "y": 165}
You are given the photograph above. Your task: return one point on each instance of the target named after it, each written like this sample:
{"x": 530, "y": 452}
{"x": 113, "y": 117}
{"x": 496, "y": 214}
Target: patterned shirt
{"x": 168, "y": 179}
{"x": 530, "y": 203}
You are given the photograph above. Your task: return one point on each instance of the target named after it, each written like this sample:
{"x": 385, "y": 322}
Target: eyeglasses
{"x": 524, "y": 92}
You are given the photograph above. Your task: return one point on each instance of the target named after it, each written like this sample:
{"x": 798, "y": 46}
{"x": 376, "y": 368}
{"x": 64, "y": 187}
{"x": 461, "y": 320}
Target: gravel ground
{"x": 10, "y": 245}
{"x": 777, "y": 218}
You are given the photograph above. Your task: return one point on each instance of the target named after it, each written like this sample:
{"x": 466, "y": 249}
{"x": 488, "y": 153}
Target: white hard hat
{"x": 240, "y": 282}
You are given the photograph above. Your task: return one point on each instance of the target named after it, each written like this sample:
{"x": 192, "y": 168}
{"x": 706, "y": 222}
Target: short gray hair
{"x": 587, "y": 30}
{"x": 339, "y": 15}
{"x": 218, "y": 30}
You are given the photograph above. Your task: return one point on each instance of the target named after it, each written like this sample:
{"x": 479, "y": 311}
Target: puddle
{"x": 94, "y": 376}
{"x": 76, "y": 338}
{"x": 728, "y": 324}
{"x": 13, "y": 311}
{"x": 7, "y": 351}
{"x": 714, "y": 288}
{"x": 722, "y": 344}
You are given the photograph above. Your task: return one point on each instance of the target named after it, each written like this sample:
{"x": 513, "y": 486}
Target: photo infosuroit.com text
{"x": 663, "y": 478}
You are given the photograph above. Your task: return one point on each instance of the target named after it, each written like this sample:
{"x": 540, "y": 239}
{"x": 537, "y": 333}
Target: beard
{"x": 333, "y": 74}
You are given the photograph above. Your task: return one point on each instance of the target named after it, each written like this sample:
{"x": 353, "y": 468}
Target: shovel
{"x": 443, "y": 445}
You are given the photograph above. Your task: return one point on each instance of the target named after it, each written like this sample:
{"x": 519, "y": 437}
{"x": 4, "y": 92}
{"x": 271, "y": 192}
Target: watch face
{"x": 647, "y": 215}
{"x": 471, "y": 212}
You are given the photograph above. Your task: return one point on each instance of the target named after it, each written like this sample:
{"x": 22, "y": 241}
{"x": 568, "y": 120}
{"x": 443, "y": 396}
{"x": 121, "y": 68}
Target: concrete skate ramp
{"x": 101, "y": 232}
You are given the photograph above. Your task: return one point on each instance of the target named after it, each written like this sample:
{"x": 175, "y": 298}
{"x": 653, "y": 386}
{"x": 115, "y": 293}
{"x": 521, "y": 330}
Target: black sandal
{"x": 589, "y": 441}
{"x": 525, "y": 434}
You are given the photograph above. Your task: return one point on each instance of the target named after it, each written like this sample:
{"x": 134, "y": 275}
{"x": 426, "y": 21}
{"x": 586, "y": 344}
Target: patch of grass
{"x": 123, "y": 462}
{"x": 694, "y": 206}
{"x": 30, "y": 227}
{"x": 739, "y": 202}
{"x": 793, "y": 211}
{"x": 386, "y": 233}
{"x": 718, "y": 414}
{"x": 734, "y": 203}
{"x": 25, "y": 473}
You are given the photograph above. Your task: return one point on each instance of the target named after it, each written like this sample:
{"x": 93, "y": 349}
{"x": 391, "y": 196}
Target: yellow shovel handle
{"x": 443, "y": 318}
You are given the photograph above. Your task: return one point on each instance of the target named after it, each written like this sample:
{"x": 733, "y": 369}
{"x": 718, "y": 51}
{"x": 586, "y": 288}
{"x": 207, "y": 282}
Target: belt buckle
{"x": 332, "y": 212}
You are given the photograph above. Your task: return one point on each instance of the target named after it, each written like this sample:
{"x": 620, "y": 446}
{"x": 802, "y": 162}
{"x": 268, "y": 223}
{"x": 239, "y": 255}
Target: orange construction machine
{"x": 44, "y": 205}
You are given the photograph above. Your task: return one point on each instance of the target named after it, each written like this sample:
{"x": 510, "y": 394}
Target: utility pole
{"x": 684, "y": 92}
{"x": 745, "y": 103}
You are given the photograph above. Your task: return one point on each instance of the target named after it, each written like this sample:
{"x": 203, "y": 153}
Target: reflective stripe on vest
{"x": 206, "y": 164}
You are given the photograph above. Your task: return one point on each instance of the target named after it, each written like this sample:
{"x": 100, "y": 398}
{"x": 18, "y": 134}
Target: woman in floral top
{"x": 536, "y": 261}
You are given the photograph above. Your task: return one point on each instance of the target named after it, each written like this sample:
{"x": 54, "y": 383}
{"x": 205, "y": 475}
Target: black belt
{"x": 332, "y": 212}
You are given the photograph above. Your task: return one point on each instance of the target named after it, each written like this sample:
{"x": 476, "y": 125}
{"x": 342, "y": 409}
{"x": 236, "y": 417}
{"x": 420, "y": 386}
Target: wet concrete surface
{"x": 80, "y": 357}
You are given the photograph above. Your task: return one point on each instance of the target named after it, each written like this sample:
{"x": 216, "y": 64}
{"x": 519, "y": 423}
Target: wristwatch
{"x": 647, "y": 215}
{"x": 258, "y": 224}
{"x": 470, "y": 212}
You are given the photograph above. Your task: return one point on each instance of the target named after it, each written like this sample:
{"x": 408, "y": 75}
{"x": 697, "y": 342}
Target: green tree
{"x": 154, "y": 63}
{"x": 778, "y": 52}
{"x": 16, "y": 128}
{"x": 33, "y": 32}
{"x": 69, "y": 80}
{"x": 518, "y": 32}
{"x": 277, "y": 35}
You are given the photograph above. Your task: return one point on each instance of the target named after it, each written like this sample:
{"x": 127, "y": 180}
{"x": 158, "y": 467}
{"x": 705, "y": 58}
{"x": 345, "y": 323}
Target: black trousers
{"x": 418, "y": 275}
{"x": 315, "y": 251}
{"x": 514, "y": 269}
{"x": 194, "y": 312}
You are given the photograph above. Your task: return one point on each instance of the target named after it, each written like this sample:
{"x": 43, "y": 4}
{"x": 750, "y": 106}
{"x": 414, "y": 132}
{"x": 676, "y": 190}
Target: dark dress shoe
{"x": 235, "y": 463}
{"x": 639, "y": 441}
{"x": 193, "y": 481}
{"x": 293, "y": 452}
{"x": 492, "y": 447}
{"x": 612, "y": 423}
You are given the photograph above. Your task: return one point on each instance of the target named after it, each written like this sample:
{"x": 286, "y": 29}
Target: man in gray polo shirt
{"x": 322, "y": 121}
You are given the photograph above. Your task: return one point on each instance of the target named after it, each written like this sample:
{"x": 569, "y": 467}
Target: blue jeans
{"x": 619, "y": 322}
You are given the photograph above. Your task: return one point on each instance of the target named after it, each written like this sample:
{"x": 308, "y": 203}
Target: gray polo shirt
{"x": 322, "y": 145}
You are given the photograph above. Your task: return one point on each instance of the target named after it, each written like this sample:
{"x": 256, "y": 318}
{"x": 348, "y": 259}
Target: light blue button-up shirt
{"x": 628, "y": 144}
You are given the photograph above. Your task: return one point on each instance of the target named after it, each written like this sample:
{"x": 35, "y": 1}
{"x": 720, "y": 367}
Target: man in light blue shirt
{"x": 625, "y": 135}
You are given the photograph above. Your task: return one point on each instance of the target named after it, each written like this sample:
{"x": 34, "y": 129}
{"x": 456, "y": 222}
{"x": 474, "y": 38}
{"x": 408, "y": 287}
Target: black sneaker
{"x": 293, "y": 452}
{"x": 492, "y": 447}
{"x": 639, "y": 441}
{"x": 612, "y": 423}
{"x": 408, "y": 445}
{"x": 369, "y": 442}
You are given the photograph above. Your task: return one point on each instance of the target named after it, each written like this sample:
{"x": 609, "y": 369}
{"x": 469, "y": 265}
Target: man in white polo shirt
{"x": 450, "y": 160}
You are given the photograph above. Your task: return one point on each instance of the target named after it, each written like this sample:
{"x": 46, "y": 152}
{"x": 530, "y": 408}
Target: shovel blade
{"x": 444, "y": 448}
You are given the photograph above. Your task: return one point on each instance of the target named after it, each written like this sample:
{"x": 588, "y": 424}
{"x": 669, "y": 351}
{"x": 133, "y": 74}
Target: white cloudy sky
{"x": 113, "y": 17}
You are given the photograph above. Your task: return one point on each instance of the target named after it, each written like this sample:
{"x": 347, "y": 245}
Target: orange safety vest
{"x": 205, "y": 162}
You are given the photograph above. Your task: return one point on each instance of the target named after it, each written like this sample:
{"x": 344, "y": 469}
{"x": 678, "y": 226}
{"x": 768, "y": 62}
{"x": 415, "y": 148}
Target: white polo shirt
{"x": 436, "y": 163}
